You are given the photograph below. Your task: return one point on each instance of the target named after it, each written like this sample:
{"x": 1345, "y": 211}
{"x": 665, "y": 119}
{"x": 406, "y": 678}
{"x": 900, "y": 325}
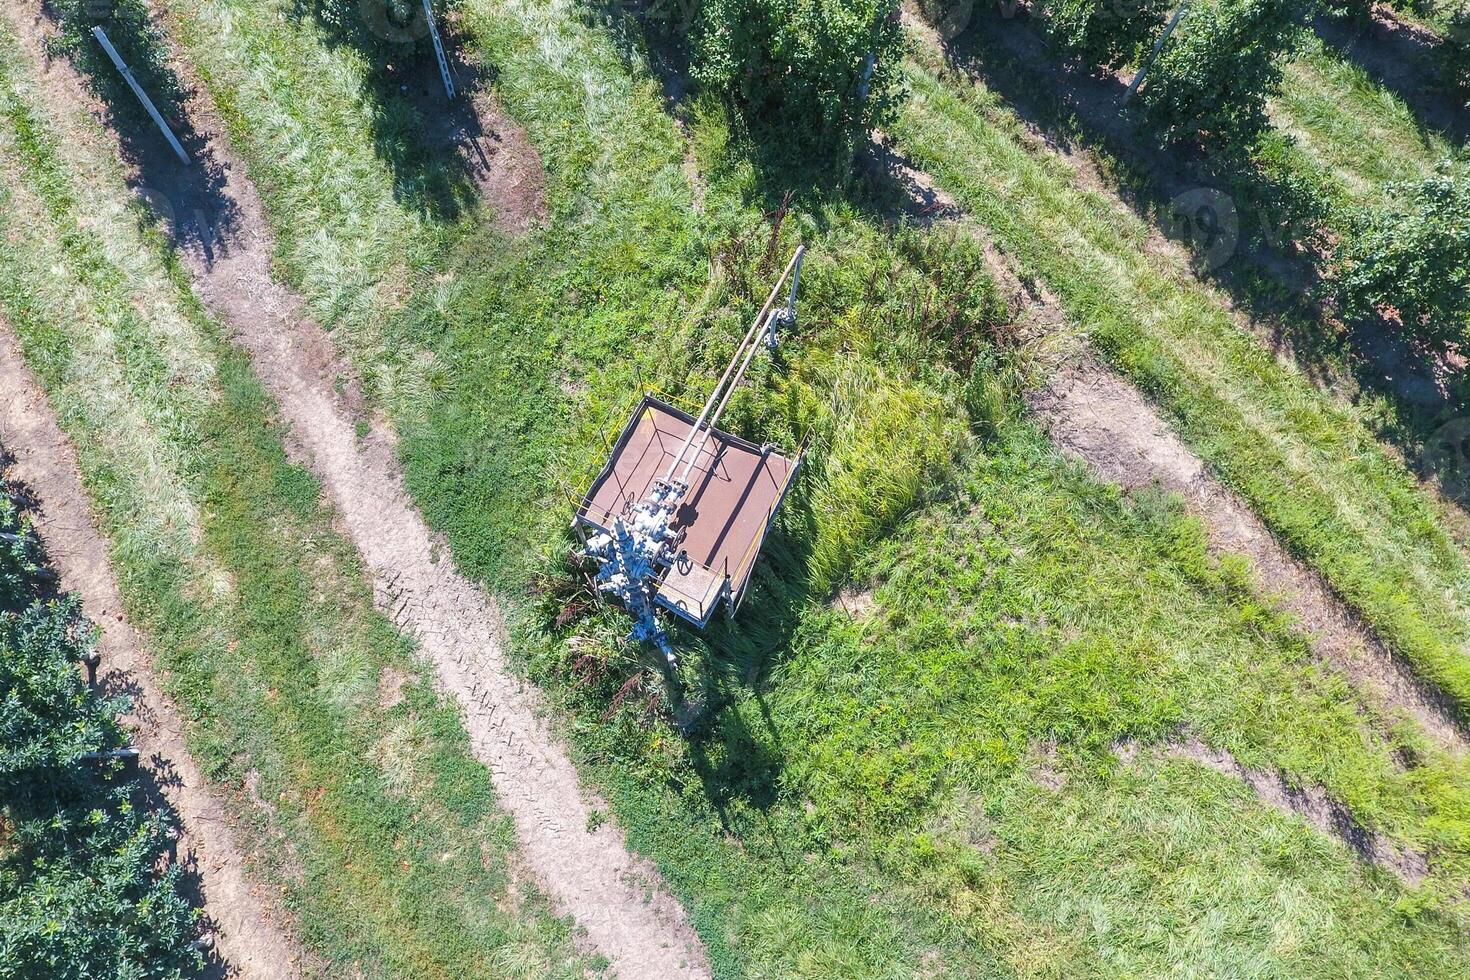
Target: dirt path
{"x": 1094, "y": 413}
{"x": 249, "y": 933}
{"x": 1375, "y": 357}
{"x": 1310, "y": 803}
{"x": 620, "y": 900}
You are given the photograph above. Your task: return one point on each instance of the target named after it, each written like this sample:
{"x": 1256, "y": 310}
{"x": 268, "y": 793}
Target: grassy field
{"x": 930, "y": 784}
{"x": 1309, "y": 466}
{"x": 380, "y": 831}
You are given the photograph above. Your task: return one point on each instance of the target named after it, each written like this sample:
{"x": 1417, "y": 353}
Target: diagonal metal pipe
{"x": 720, "y": 397}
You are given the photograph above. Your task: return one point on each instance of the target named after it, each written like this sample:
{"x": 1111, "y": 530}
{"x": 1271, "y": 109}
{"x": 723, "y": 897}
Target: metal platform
{"x": 735, "y": 489}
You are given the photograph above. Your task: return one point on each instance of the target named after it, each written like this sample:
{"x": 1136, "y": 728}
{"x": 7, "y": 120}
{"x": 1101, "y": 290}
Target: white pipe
{"x": 715, "y": 418}
{"x": 752, "y": 333}
{"x": 127, "y": 74}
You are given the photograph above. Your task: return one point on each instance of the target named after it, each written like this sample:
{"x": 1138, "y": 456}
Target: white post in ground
{"x": 1158, "y": 46}
{"x": 127, "y": 75}
{"x": 439, "y": 50}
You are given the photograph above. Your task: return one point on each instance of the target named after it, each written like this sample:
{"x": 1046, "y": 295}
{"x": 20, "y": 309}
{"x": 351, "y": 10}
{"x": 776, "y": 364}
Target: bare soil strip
{"x": 1092, "y": 412}
{"x": 1311, "y": 803}
{"x": 619, "y": 899}
{"x": 1094, "y": 100}
{"x": 250, "y": 933}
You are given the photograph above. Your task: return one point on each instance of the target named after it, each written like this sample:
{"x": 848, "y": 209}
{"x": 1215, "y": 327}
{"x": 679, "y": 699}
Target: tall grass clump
{"x": 889, "y": 441}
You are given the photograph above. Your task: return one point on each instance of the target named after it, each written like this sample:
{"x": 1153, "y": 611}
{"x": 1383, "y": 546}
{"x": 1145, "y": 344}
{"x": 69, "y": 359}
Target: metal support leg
{"x": 439, "y": 50}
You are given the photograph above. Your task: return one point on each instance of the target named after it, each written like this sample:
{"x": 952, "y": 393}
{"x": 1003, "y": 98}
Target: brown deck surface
{"x": 733, "y": 491}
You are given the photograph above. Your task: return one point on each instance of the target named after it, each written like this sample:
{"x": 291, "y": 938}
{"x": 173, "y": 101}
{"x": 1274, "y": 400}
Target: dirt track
{"x": 1092, "y": 412}
{"x": 250, "y": 933}
{"x": 619, "y": 900}
{"x": 1311, "y": 803}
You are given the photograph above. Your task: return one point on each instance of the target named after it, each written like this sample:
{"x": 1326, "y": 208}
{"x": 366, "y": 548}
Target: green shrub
{"x": 79, "y": 898}
{"x": 1455, "y": 55}
{"x": 826, "y": 69}
{"x": 382, "y": 29}
{"x": 1102, "y": 33}
{"x": 80, "y": 893}
{"x": 48, "y": 717}
{"x": 1214, "y": 75}
{"x": 18, "y": 561}
{"x": 1357, "y": 11}
{"x": 1412, "y": 258}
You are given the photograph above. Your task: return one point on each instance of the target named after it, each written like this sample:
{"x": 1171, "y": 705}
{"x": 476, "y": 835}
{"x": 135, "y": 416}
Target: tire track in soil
{"x": 1093, "y": 413}
{"x": 618, "y": 899}
{"x": 250, "y": 934}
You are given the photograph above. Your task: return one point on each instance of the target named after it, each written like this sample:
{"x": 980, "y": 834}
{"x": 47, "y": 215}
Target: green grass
{"x": 377, "y": 825}
{"x": 1349, "y": 126}
{"x": 364, "y": 233}
{"x": 859, "y": 797}
{"x": 1311, "y": 468}
{"x": 1434, "y": 15}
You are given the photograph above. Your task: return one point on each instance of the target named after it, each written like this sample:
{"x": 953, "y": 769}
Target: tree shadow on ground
{"x": 740, "y": 765}
{"x": 1268, "y": 276}
{"x": 155, "y": 775}
{"x": 1402, "y": 59}
{"x": 190, "y": 196}
{"x": 428, "y": 141}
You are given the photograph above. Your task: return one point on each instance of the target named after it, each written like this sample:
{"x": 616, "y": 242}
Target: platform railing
{"x": 752, "y": 551}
